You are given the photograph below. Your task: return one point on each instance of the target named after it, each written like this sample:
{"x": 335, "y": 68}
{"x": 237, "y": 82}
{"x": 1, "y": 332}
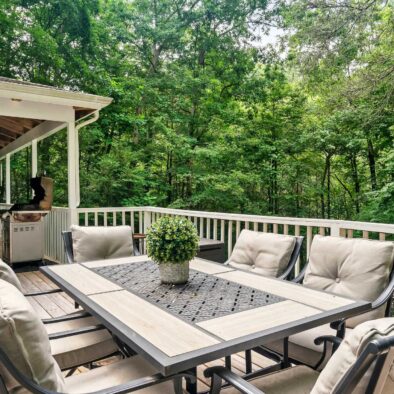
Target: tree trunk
{"x": 169, "y": 177}
{"x": 372, "y": 164}
{"x": 322, "y": 187}
{"x": 356, "y": 181}
{"x": 328, "y": 165}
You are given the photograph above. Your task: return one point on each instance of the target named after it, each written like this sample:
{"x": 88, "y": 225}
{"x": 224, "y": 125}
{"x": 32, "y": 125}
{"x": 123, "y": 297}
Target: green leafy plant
{"x": 172, "y": 240}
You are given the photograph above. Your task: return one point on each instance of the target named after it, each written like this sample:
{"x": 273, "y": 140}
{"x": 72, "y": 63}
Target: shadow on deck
{"x": 58, "y": 304}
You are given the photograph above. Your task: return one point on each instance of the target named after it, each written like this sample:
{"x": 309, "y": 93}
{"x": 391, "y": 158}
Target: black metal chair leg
{"x": 286, "y": 362}
{"x": 248, "y": 361}
{"x": 227, "y": 362}
{"x": 191, "y": 386}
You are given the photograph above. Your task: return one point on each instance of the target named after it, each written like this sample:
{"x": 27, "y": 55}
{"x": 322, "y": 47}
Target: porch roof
{"x": 30, "y": 111}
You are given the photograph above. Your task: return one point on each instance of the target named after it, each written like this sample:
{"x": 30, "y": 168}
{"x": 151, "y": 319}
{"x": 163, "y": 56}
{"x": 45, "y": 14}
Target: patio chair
{"x": 268, "y": 254}
{"x": 354, "y": 268}
{"x": 363, "y": 363}
{"x": 98, "y": 243}
{"x": 76, "y": 338}
{"x": 26, "y": 363}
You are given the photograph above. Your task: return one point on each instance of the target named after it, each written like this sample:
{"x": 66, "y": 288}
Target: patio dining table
{"x": 219, "y": 312}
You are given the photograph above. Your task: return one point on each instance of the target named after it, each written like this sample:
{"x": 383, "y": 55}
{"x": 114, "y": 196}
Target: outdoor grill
{"x": 23, "y": 224}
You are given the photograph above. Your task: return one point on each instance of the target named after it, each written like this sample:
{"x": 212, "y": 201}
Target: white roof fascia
{"x": 50, "y": 95}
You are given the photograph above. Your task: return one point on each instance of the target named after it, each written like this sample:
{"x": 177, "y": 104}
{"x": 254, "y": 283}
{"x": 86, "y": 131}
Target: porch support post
{"x": 72, "y": 171}
{"x": 34, "y": 162}
{"x": 8, "y": 178}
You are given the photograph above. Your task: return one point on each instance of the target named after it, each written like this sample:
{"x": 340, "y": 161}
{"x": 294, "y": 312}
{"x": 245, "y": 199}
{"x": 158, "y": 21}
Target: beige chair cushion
{"x": 302, "y": 346}
{"x": 263, "y": 253}
{"x": 99, "y": 243}
{"x": 296, "y": 380}
{"x": 81, "y": 349}
{"x": 24, "y": 339}
{"x": 339, "y": 265}
{"x": 347, "y": 354}
{"x": 114, "y": 374}
{"x": 8, "y": 274}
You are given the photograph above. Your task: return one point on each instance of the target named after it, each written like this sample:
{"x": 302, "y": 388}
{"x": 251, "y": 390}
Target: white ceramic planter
{"x": 174, "y": 273}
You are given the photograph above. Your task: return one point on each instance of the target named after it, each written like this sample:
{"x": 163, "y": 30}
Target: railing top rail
{"x": 367, "y": 226}
{"x": 331, "y": 223}
{"x": 110, "y": 209}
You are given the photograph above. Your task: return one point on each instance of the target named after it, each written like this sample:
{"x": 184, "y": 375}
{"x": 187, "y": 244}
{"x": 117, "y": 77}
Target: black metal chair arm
{"x": 128, "y": 387}
{"x": 77, "y": 331}
{"x": 221, "y": 373}
{"x": 38, "y": 293}
{"x": 340, "y": 327}
{"x": 328, "y": 338}
{"x": 385, "y": 296}
{"x": 71, "y": 316}
{"x": 136, "y": 251}
{"x": 293, "y": 258}
{"x": 300, "y": 277}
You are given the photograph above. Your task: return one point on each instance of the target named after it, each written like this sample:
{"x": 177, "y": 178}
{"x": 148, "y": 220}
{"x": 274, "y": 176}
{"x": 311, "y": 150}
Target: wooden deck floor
{"x": 59, "y": 304}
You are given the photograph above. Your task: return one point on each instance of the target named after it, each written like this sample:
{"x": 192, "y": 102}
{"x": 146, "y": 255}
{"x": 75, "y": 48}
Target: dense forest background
{"x": 207, "y": 115}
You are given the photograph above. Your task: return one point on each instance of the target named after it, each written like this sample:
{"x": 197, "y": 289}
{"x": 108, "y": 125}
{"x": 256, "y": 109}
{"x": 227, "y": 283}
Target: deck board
{"x": 58, "y": 304}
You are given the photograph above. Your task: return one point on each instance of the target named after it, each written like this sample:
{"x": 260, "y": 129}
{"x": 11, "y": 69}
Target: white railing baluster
{"x": 309, "y": 236}
{"x": 215, "y": 229}
{"x": 255, "y": 226}
{"x": 297, "y": 268}
{"x": 265, "y": 227}
{"x": 105, "y": 218}
{"x": 208, "y": 230}
{"x": 86, "y": 219}
{"x": 222, "y": 226}
{"x": 237, "y": 229}
{"x": 230, "y": 238}
{"x": 114, "y": 218}
{"x": 201, "y": 227}
{"x": 275, "y": 228}
{"x": 365, "y": 234}
{"x": 286, "y": 229}
{"x": 132, "y": 221}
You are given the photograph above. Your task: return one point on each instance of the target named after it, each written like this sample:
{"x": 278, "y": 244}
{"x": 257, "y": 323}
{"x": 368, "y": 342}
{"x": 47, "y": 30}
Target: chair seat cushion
{"x": 302, "y": 346}
{"x": 8, "y": 274}
{"x": 263, "y": 253}
{"x": 24, "y": 340}
{"x": 99, "y": 243}
{"x": 81, "y": 349}
{"x": 115, "y": 374}
{"x": 295, "y": 380}
{"x": 339, "y": 265}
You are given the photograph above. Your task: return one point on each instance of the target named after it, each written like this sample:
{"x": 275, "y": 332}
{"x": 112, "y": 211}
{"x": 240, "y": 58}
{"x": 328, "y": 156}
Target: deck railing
{"x": 225, "y": 227}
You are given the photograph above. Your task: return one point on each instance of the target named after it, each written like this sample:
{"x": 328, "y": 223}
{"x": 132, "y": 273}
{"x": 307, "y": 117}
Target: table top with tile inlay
{"x": 219, "y": 312}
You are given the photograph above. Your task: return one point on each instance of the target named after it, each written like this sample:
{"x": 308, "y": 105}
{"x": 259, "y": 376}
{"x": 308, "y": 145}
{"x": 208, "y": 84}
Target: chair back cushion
{"x": 348, "y": 352}
{"x": 263, "y": 253}
{"x": 354, "y": 268}
{"x": 24, "y": 340}
{"x": 8, "y": 274}
{"x": 100, "y": 243}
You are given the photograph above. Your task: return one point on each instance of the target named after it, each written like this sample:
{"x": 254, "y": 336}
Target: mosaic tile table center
{"x": 203, "y": 297}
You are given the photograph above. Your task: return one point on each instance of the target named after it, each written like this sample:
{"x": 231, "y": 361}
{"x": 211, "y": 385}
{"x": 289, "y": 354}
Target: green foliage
{"x": 172, "y": 240}
{"x": 203, "y": 116}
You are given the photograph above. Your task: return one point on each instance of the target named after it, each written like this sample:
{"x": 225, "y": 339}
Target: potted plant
{"x": 172, "y": 242}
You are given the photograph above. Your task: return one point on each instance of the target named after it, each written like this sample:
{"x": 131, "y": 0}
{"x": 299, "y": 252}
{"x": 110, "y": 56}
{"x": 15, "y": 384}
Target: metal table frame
{"x": 167, "y": 365}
